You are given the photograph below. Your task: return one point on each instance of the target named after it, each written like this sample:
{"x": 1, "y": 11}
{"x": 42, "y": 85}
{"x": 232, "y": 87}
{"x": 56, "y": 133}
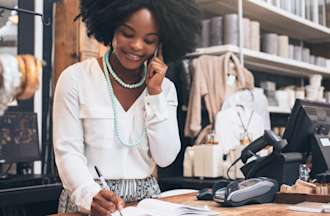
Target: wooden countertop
{"x": 271, "y": 209}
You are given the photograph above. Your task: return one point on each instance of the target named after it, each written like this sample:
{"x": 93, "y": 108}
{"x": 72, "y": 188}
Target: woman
{"x": 118, "y": 112}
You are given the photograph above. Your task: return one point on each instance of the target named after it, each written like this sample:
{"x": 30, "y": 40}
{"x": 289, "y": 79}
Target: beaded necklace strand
{"x": 120, "y": 81}
{"x": 115, "y": 105}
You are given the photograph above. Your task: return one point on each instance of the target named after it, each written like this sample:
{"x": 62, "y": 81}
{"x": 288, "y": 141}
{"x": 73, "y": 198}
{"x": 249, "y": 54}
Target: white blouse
{"x": 83, "y": 130}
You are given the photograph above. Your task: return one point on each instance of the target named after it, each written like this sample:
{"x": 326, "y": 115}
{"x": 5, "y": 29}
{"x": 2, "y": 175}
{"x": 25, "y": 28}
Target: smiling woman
{"x": 118, "y": 112}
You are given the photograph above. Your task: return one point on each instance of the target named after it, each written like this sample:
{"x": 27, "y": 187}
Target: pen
{"x": 104, "y": 183}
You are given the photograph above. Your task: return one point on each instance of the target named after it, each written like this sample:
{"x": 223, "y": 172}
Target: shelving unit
{"x": 270, "y": 18}
{"x": 266, "y": 62}
{"x": 280, "y": 110}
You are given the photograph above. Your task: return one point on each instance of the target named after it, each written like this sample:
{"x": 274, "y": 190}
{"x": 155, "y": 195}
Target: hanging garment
{"x": 214, "y": 77}
{"x": 254, "y": 100}
{"x": 237, "y": 127}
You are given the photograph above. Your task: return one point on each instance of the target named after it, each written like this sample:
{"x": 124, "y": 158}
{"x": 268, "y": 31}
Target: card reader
{"x": 254, "y": 190}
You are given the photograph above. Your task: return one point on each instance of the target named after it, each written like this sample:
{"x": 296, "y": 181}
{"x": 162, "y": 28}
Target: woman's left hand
{"x": 156, "y": 72}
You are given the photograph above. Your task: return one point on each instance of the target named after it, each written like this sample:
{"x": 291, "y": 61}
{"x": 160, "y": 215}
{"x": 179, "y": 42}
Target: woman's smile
{"x": 133, "y": 57}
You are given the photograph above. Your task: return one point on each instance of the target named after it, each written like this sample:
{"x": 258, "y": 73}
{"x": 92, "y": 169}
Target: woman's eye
{"x": 126, "y": 34}
{"x": 150, "y": 41}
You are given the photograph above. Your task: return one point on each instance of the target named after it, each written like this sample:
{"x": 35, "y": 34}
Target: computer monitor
{"x": 307, "y": 132}
{"x": 307, "y": 118}
{"x": 19, "y": 140}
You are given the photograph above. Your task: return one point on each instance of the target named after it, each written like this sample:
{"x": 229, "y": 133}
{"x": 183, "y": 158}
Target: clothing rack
{"x": 46, "y": 23}
{"x": 19, "y": 10}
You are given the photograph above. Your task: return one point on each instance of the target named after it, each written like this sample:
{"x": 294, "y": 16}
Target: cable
{"x": 231, "y": 167}
{"x": 9, "y": 167}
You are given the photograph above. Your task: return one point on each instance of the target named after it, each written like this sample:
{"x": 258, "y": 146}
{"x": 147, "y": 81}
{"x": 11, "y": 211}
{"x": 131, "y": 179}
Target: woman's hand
{"x": 156, "y": 73}
{"x": 105, "y": 203}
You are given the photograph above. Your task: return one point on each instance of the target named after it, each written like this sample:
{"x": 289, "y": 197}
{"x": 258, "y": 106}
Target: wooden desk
{"x": 271, "y": 209}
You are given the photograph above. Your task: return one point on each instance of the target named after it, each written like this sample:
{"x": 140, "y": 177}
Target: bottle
{"x": 211, "y": 138}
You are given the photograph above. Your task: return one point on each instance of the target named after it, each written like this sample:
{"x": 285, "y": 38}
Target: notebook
{"x": 154, "y": 207}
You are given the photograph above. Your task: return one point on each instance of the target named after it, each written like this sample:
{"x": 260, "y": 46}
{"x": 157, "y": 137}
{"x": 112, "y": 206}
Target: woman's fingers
{"x": 157, "y": 67}
{"x": 98, "y": 210}
{"x": 160, "y": 53}
{"x": 114, "y": 198}
{"x": 120, "y": 203}
{"x": 106, "y": 202}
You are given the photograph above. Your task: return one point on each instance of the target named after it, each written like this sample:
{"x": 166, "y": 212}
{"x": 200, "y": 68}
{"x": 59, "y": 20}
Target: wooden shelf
{"x": 265, "y": 62}
{"x": 281, "y": 110}
{"x": 271, "y": 18}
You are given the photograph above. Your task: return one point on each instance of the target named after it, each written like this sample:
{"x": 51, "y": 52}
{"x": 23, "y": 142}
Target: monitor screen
{"x": 19, "y": 140}
{"x": 307, "y": 118}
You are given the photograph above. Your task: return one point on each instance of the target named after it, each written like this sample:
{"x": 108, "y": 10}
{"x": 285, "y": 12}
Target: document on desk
{"x": 154, "y": 207}
{"x": 310, "y": 207}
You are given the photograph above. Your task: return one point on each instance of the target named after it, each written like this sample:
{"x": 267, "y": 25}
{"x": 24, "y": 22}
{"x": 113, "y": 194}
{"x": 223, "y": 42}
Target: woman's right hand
{"x": 105, "y": 203}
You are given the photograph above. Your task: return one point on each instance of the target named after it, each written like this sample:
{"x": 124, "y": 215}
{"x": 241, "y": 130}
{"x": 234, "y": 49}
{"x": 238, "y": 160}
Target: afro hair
{"x": 178, "y": 21}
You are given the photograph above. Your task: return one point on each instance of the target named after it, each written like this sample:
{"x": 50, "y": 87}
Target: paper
{"x": 154, "y": 207}
{"x": 310, "y": 207}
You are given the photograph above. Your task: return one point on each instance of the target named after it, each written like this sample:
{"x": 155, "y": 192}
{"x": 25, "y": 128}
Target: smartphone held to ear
{"x": 156, "y": 52}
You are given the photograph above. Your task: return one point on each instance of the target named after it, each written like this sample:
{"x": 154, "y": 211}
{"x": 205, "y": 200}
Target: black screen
{"x": 19, "y": 140}
{"x": 307, "y": 118}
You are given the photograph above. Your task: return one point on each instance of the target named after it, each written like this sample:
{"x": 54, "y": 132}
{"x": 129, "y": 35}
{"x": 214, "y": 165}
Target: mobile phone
{"x": 156, "y": 53}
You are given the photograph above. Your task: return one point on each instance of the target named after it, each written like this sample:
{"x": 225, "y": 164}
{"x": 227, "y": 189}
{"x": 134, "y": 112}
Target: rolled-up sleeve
{"x": 69, "y": 142}
{"x": 162, "y": 126}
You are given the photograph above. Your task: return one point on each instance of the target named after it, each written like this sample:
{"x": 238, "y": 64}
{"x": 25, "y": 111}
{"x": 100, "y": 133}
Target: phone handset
{"x": 156, "y": 54}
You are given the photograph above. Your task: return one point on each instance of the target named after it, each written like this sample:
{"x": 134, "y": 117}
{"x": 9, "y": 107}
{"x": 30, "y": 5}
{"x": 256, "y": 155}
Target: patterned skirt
{"x": 129, "y": 189}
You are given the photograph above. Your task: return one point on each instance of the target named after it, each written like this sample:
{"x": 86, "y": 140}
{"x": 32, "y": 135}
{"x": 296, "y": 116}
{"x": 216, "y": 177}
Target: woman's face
{"x": 136, "y": 40}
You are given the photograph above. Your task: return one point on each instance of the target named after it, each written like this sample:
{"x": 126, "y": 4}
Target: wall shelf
{"x": 265, "y": 62}
{"x": 271, "y": 18}
{"x": 280, "y": 110}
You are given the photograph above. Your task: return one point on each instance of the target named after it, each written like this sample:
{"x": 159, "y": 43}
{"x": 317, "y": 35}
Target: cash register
{"x": 306, "y": 134}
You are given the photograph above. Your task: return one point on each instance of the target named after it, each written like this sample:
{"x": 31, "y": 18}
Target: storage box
{"x": 207, "y": 161}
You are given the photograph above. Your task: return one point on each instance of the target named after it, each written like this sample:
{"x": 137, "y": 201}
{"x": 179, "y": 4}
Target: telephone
{"x": 268, "y": 139}
{"x": 283, "y": 167}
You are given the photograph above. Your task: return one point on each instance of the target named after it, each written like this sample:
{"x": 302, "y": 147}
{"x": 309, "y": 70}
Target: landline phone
{"x": 257, "y": 188}
{"x": 283, "y": 167}
{"x": 268, "y": 139}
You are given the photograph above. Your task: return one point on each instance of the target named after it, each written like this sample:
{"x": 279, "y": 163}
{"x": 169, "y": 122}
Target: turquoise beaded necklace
{"x": 120, "y": 81}
{"x": 106, "y": 71}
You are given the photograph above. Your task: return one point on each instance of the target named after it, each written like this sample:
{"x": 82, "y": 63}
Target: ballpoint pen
{"x": 104, "y": 183}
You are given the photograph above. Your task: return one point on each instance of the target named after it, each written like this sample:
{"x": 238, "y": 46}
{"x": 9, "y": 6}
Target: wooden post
{"x": 66, "y": 35}
{"x": 71, "y": 42}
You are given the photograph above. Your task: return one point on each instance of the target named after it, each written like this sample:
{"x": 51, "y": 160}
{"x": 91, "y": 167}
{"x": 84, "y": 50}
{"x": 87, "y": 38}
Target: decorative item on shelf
{"x": 216, "y": 31}
{"x": 247, "y": 33}
{"x": 269, "y": 90}
{"x": 19, "y": 78}
{"x": 231, "y": 29}
{"x": 205, "y": 37}
{"x": 297, "y": 53}
{"x": 315, "y": 90}
{"x": 291, "y": 51}
{"x": 312, "y": 59}
{"x": 283, "y": 46}
{"x": 306, "y": 55}
{"x": 269, "y": 43}
{"x": 255, "y": 35}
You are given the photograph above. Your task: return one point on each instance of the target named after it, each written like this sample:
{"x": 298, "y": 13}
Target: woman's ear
{"x": 114, "y": 43}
